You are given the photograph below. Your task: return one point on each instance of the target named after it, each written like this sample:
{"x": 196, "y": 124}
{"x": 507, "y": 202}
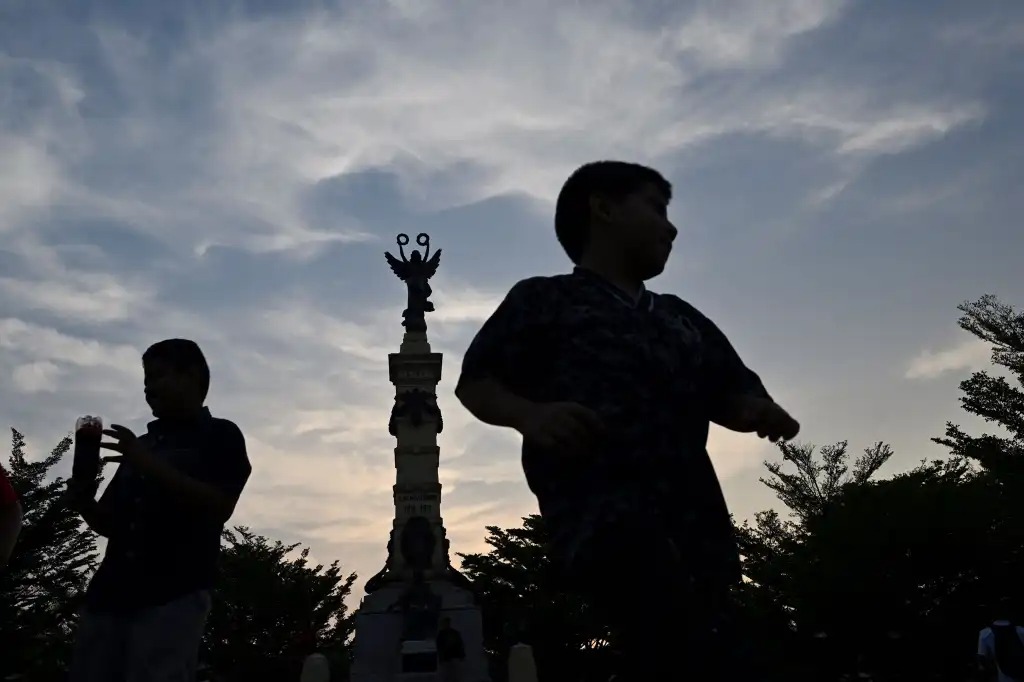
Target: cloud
{"x": 290, "y": 100}
{"x": 234, "y": 175}
{"x": 36, "y": 377}
{"x": 34, "y": 340}
{"x": 969, "y": 355}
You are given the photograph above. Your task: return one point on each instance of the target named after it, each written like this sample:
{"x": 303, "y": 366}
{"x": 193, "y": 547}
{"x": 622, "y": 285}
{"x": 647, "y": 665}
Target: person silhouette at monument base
{"x": 613, "y": 388}
{"x": 451, "y": 651}
{"x": 162, "y": 513}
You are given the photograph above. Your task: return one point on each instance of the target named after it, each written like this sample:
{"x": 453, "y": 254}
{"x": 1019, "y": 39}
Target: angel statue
{"x": 415, "y": 271}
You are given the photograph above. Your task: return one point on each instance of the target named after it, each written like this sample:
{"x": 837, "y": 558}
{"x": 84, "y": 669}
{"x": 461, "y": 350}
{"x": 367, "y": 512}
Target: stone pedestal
{"x": 378, "y": 641}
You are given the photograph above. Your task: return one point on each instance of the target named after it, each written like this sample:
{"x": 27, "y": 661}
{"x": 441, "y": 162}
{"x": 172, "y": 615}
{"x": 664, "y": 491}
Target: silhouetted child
{"x": 163, "y": 514}
{"x": 613, "y": 388}
{"x": 451, "y": 651}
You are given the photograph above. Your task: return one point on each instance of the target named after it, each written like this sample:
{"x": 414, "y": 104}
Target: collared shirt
{"x": 157, "y": 549}
{"x": 653, "y": 369}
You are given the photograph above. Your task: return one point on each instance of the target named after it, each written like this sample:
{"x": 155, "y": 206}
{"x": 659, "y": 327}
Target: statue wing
{"x": 431, "y": 265}
{"x": 398, "y": 267}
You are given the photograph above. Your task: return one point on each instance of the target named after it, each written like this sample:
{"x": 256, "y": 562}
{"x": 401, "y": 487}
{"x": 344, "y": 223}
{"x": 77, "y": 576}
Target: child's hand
{"x": 568, "y": 427}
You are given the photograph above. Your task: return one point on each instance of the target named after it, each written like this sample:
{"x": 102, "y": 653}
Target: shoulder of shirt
{"x": 678, "y": 305}
{"x": 225, "y": 428}
{"x": 541, "y": 282}
{"x": 539, "y": 287}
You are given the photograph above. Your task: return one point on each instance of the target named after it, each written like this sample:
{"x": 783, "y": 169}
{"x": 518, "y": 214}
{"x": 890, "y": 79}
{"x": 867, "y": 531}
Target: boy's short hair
{"x": 611, "y": 179}
{"x": 182, "y": 355}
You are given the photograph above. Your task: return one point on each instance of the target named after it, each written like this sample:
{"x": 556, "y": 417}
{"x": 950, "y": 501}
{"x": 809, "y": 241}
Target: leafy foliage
{"x": 523, "y": 599}
{"x": 992, "y": 397}
{"x": 272, "y": 609}
{"x": 41, "y": 587}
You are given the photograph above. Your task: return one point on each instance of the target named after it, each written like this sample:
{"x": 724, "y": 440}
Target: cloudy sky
{"x": 846, "y": 174}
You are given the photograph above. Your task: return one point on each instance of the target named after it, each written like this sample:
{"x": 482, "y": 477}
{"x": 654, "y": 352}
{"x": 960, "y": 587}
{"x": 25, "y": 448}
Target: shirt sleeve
{"x": 502, "y": 349}
{"x": 228, "y": 468}
{"x": 7, "y": 494}
{"x": 723, "y": 374}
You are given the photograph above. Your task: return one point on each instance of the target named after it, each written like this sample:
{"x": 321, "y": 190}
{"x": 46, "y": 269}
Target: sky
{"x": 846, "y": 173}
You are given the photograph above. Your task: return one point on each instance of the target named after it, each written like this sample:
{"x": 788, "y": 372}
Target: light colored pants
{"x": 160, "y": 644}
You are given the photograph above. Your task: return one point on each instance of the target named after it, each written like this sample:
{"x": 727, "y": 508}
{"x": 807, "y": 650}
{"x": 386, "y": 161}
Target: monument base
{"x": 378, "y": 649}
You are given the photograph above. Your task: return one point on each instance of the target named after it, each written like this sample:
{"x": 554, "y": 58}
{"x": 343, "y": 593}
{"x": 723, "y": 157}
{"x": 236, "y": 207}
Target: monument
{"x": 397, "y": 620}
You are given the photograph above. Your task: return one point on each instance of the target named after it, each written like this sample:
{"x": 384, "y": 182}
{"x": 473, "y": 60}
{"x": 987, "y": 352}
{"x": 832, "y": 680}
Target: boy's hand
{"x": 748, "y": 414}
{"x": 568, "y": 427}
{"x": 127, "y": 444}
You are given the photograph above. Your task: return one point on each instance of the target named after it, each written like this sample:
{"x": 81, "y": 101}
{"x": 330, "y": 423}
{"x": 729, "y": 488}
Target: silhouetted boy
{"x": 613, "y": 388}
{"x": 451, "y": 651}
{"x": 163, "y": 513}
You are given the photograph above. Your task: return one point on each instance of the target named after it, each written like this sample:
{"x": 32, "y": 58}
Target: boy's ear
{"x": 195, "y": 376}
{"x": 600, "y": 207}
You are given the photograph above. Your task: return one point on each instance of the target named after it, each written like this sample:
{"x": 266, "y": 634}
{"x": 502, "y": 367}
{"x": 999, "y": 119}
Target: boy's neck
{"x": 185, "y": 415}
{"x": 630, "y": 285}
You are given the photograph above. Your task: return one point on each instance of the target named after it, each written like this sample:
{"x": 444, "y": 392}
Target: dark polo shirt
{"x": 158, "y": 550}
{"x": 653, "y": 370}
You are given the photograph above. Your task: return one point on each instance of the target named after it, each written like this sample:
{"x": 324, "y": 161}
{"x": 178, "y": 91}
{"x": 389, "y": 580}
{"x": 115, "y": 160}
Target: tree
{"x": 522, "y": 598}
{"x": 1000, "y": 456}
{"x": 271, "y": 609}
{"x": 42, "y": 586}
{"x": 993, "y": 398}
{"x": 881, "y": 576}
{"x": 775, "y": 595}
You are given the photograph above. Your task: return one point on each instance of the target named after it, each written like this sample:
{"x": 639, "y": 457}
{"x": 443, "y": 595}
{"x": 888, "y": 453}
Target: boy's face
{"x": 169, "y": 391}
{"x": 638, "y": 228}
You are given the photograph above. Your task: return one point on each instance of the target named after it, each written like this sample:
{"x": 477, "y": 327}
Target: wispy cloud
{"x": 965, "y": 356}
{"x": 234, "y": 176}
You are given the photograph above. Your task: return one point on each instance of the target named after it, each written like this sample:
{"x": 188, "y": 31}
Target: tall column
{"x": 415, "y": 423}
{"x": 417, "y": 543}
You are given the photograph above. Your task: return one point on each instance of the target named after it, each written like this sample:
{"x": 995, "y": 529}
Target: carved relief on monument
{"x": 418, "y": 407}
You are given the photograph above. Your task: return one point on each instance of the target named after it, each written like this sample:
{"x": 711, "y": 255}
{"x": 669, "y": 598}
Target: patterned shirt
{"x": 652, "y": 369}
{"x": 157, "y": 550}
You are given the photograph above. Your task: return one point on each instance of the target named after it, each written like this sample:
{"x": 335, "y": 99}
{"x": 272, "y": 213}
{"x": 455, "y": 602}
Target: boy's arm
{"x": 496, "y": 365}
{"x": 98, "y": 514}
{"x": 734, "y": 394}
{"x": 213, "y": 489}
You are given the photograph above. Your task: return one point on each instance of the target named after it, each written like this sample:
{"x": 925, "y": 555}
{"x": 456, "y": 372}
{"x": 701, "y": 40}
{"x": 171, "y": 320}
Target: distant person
{"x": 1001, "y": 651}
{"x": 521, "y": 664}
{"x": 315, "y": 668}
{"x": 613, "y": 388}
{"x": 163, "y": 513}
{"x": 10, "y": 518}
{"x": 451, "y": 651}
